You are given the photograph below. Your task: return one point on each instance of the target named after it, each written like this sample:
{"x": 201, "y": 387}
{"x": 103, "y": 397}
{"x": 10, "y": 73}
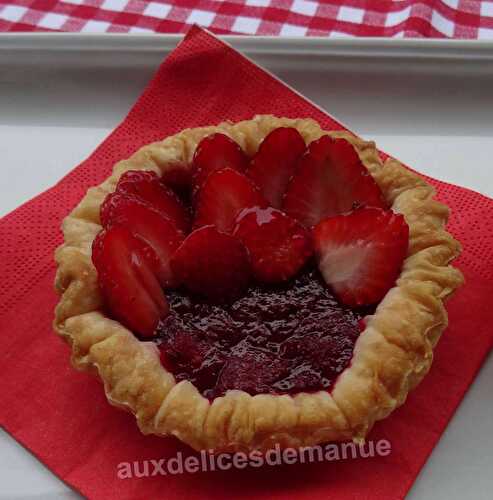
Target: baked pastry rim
{"x": 390, "y": 357}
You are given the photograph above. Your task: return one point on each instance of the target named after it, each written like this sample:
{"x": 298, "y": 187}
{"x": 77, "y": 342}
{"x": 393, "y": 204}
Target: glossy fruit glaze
{"x": 274, "y": 339}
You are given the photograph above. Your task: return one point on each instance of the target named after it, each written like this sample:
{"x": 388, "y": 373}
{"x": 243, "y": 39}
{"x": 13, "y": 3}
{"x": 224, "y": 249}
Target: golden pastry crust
{"x": 390, "y": 357}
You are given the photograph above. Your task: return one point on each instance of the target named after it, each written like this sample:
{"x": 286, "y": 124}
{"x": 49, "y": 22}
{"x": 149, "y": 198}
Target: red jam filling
{"x": 249, "y": 282}
{"x": 274, "y": 339}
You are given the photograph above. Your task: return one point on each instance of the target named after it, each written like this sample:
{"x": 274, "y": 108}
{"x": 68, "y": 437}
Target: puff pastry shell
{"x": 390, "y": 357}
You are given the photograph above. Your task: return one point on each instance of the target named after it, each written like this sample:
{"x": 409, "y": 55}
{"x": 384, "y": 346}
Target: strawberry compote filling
{"x": 274, "y": 339}
{"x": 260, "y": 279}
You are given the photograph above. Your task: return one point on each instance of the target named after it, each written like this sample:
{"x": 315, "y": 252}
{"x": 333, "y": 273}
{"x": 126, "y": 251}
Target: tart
{"x": 255, "y": 283}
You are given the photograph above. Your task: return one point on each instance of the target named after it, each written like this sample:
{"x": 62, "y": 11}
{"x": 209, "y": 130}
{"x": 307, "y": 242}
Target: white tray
{"x": 429, "y": 103}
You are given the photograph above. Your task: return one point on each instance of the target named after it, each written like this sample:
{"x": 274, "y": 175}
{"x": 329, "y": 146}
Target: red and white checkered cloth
{"x": 407, "y": 18}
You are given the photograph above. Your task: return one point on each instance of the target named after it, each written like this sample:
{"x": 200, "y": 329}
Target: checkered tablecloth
{"x": 407, "y": 18}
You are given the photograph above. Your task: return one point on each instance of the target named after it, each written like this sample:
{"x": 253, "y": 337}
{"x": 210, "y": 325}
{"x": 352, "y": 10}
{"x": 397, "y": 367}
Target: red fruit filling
{"x": 274, "y": 339}
{"x": 245, "y": 306}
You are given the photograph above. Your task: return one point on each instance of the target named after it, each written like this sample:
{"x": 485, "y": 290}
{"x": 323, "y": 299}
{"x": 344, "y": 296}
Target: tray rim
{"x": 454, "y": 49}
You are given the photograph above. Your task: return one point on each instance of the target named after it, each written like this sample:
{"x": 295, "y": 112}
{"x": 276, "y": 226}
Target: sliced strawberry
{"x": 360, "y": 254}
{"x": 278, "y": 245}
{"x": 126, "y": 267}
{"x": 147, "y": 186}
{"x": 275, "y": 162}
{"x": 223, "y": 196}
{"x": 212, "y": 264}
{"x": 149, "y": 225}
{"x": 215, "y": 152}
{"x": 330, "y": 179}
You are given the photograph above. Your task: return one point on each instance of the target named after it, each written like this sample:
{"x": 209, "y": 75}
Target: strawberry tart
{"x": 255, "y": 283}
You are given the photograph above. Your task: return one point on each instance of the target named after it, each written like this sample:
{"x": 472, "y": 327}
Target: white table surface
{"x": 461, "y": 464}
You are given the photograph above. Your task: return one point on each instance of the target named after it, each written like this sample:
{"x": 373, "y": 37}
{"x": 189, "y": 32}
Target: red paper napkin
{"x": 62, "y": 416}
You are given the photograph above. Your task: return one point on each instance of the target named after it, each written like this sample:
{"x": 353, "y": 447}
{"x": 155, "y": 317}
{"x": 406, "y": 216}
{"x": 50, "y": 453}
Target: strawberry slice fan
{"x": 62, "y": 416}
